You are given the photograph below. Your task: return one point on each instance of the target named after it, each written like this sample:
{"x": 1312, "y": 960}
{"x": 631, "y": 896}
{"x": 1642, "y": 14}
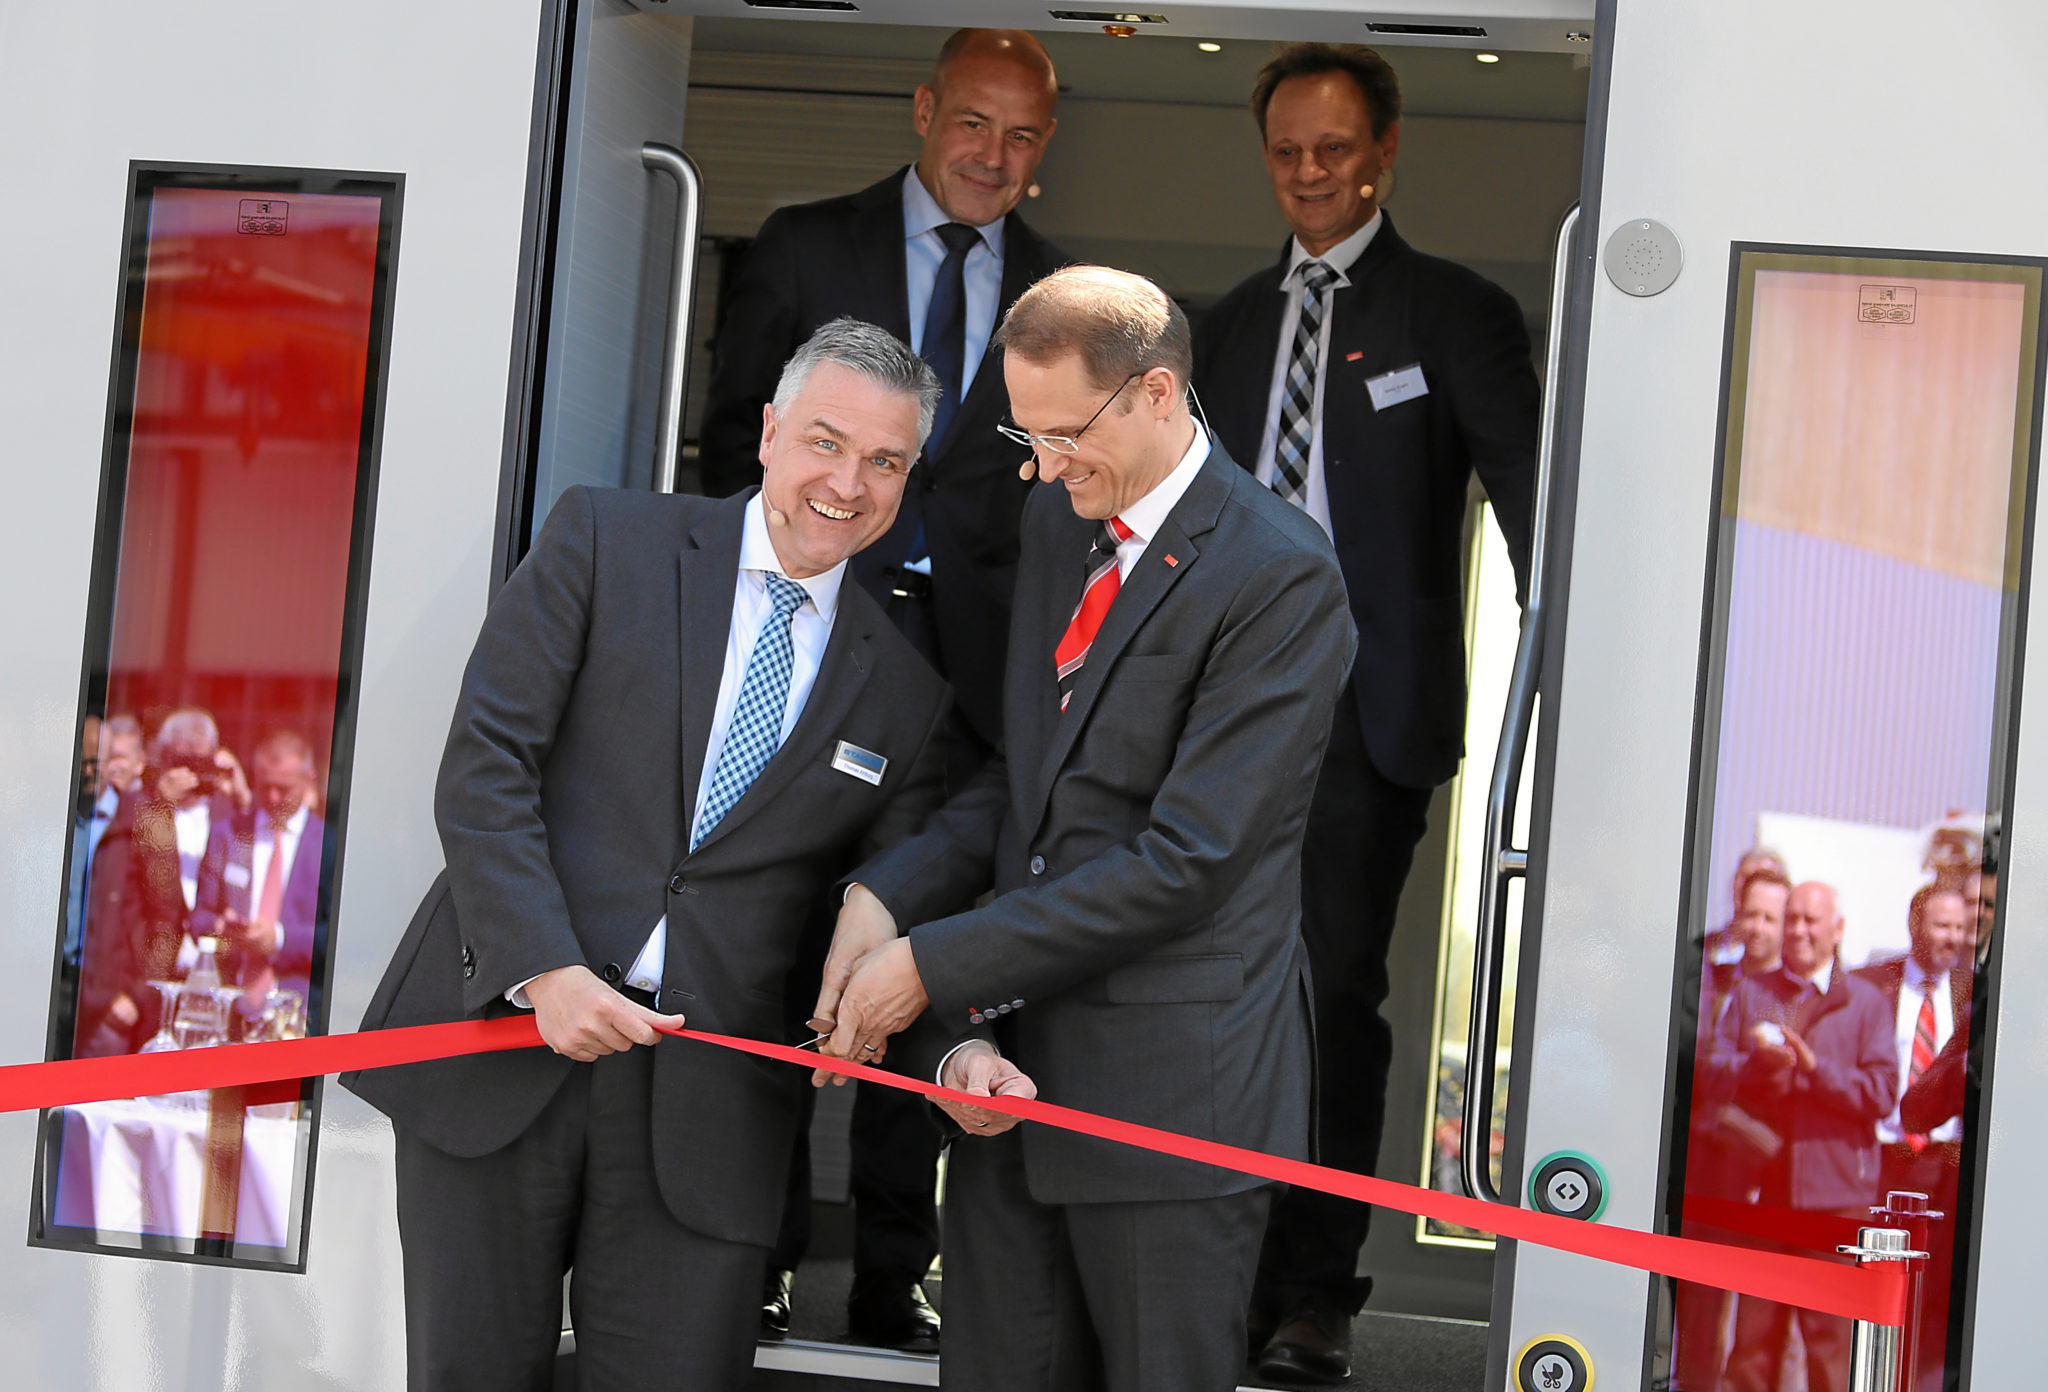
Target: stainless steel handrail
{"x": 1501, "y": 862}
{"x": 675, "y": 350}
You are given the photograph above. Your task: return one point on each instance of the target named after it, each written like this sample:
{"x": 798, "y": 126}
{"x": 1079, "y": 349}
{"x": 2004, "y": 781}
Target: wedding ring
{"x": 869, "y": 1047}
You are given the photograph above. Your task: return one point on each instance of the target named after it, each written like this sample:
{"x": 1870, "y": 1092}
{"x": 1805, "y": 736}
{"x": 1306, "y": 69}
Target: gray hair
{"x": 875, "y": 354}
{"x": 187, "y": 733}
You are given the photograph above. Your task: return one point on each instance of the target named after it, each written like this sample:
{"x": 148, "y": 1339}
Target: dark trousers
{"x": 894, "y": 1180}
{"x": 487, "y": 1240}
{"x": 1362, "y": 833}
{"x": 1134, "y": 1297}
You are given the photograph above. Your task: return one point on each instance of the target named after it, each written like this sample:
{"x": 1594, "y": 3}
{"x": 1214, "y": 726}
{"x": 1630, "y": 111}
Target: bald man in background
{"x": 935, "y": 253}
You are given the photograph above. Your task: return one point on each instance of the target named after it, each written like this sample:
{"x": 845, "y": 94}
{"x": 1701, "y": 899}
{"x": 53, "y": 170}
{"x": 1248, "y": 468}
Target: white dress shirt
{"x": 103, "y": 812}
{"x": 924, "y": 253}
{"x": 1314, "y": 499}
{"x": 1146, "y": 516}
{"x": 193, "y": 824}
{"x": 810, "y": 628}
{"x": 272, "y": 840}
{"x": 1916, "y": 986}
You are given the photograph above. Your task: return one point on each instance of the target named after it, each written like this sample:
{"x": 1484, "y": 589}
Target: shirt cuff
{"x": 940, "y": 1076}
{"x": 517, "y": 995}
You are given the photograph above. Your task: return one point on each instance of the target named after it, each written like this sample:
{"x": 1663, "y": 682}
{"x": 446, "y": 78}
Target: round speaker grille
{"x": 1642, "y": 257}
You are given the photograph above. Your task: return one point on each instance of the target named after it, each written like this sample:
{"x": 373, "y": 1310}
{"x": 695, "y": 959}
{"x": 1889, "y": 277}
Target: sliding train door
{"x": 1792, "y": 780}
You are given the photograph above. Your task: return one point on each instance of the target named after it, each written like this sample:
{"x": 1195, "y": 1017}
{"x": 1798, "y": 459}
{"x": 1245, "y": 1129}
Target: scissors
{"x": 820, "y": 1039}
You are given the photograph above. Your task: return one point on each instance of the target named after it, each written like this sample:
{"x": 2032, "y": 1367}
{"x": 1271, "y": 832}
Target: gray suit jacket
{"x": 1143, "y": 957}
{"x": 564, "y": 808}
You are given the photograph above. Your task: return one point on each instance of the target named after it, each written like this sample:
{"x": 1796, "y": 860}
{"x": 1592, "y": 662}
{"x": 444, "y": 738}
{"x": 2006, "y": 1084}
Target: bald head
{"x": 985, "y": 116}
{"x": 1813, "y": 928}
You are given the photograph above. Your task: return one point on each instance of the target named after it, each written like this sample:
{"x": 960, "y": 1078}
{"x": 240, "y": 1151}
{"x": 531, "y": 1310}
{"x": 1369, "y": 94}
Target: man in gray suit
{"x": 1179, "y": 642}
{"x": 678, "y": 728}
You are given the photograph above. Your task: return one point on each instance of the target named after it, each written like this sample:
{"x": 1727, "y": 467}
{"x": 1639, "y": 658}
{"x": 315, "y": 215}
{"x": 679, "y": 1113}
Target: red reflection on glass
{"x": 203, "y": 859}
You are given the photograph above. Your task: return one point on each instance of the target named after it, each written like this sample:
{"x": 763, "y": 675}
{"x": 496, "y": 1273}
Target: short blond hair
{"x": 1121, "y": 325}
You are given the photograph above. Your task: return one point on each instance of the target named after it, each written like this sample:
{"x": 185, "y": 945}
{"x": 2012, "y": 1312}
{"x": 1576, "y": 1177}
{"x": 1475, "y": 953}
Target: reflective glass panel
{"x": 222, "y": 644}
{"x": 1877, "y": 446}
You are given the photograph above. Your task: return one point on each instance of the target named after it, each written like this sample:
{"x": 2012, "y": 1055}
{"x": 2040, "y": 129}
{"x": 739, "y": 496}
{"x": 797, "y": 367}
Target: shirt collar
{"x": 294, "y": 825}
{"x": 1339, "y": 258}
{"x": 757, "y": 552}
{"x": 107, "y": 805}
{"x": 1820, "y": 981}
{"x": 1920, "y": 979}
{"x": 1146, "y": 516}
{"x": 922, "y": 213}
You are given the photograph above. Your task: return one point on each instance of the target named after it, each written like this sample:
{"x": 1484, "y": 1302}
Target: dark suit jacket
{"x": 564, "y": 806}
{"x": 233, "y": 844}
{"x": 1889, "y": 976}
{"x": 135, "y": 911}
{"x": 812, "y": 263}
{"x": 1827, "y": 1118}
{"x": 1142, "y": 958}
{"x": 1397, "y": 478}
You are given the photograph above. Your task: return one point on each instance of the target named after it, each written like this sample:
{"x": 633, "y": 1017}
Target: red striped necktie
{"x": 1922, "y": 1057}
{"x": 1096, "y": 597}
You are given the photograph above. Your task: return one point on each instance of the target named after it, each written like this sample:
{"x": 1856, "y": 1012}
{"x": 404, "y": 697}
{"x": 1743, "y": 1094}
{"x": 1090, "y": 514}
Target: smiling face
{"x": 1940, "y": 932}
{"x": 1761, "y": 926}
{"x": 1323, "y": 157}
{"x": 985, "y": 127}
{"x": 1123, "y": 453}
{"x": 1813, "y": 929}
{"x": 834, "y": 467}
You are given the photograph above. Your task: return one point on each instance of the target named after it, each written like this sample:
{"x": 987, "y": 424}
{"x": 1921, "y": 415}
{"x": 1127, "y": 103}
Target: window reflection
{"x": 220, "y": 660}
{"x": 1865, "y": 602}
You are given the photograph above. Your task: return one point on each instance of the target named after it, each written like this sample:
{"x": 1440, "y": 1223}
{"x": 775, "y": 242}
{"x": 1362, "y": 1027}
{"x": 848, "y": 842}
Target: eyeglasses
{"x": 1062, "y": 444}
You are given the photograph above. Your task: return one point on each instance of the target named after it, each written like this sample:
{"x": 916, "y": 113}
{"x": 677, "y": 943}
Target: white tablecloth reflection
{"x": 138, "y": 1166}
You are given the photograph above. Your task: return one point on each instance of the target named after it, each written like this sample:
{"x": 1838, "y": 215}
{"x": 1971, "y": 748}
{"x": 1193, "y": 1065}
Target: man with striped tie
{"x": 1928, "y": 991}
{"x": 1365, "y": 383}
{"x": 678, "y": 727}
{"x": 1179, "y": 640}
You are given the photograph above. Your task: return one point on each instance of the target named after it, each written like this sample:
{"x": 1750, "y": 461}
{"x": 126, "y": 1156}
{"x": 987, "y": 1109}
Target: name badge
{"x": 236, "y": 875}
{"x": 864, "y": 764}
{"x": 1392, "y": 388}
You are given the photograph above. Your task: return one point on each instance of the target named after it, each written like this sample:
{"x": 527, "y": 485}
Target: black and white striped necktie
{"x": 1298, "y": 395}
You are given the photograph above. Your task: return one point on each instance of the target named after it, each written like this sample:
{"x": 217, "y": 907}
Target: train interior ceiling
{"x": 1156, "y": 165}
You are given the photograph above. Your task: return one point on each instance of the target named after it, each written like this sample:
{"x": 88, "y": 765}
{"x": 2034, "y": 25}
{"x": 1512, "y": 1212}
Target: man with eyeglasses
{"x": 1179, "y": 642}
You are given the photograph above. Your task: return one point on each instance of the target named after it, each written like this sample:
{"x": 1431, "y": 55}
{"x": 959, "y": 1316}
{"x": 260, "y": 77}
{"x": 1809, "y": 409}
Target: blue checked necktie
{"x": 755, "y": 732}
{"x": 1298, "y": 396}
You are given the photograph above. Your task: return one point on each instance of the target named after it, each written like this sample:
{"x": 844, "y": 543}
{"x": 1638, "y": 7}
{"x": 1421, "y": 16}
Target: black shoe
{"x": 775, "y": 1303}
{"x": 890, "y": 1311}
{"x": 1314, "y": 1345}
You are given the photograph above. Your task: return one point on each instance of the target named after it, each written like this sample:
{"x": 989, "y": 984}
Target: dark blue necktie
{"x": 945, "y": 348}
{"x": 945, "y": 324}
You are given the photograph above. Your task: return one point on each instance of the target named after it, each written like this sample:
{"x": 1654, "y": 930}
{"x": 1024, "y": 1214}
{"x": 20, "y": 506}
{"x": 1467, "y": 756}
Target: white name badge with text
{"x": 1392, "y": 388}
{"x": 864, "y": 764}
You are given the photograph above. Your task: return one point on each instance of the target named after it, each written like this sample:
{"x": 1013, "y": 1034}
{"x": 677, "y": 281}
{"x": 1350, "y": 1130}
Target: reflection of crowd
{"x": 1820, "y": 1089}
{"x": 186, "y": 866}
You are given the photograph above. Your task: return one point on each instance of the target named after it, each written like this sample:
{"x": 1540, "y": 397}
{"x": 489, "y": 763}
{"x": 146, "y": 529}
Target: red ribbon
{"x": 1875, "y": 1293}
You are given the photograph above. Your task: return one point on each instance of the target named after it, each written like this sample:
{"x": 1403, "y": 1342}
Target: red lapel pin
{"x": 1170, "y": 560}
{"x": 1354, "y": 357}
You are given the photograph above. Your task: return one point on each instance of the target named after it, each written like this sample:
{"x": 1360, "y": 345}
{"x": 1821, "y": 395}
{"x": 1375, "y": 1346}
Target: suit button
{"x": 612, "y": 972}
{"x": 1038, "y": 865}
{"x": 974, "y": 1017}
{"x": 1017, "y": 1004}
{"x": 1004, "y": 1009}
{"x": 675, "y": 884}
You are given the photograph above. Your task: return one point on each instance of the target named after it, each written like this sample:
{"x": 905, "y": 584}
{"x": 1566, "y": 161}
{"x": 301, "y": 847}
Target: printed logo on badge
{"x": 1393, "y": 388}
{"x": 864, "y": 764}
{"x": 236, "y": 875}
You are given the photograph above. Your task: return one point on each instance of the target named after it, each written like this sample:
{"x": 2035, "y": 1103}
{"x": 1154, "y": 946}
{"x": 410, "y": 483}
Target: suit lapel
{"x": 709, "y": 567}
{"x": 842, "y": 672}
{"x": 1150, "y": 581}
{"x": 1022, "y": 267}
{"x": 1040, "y": 617}
{"x": 879, "y": 234}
